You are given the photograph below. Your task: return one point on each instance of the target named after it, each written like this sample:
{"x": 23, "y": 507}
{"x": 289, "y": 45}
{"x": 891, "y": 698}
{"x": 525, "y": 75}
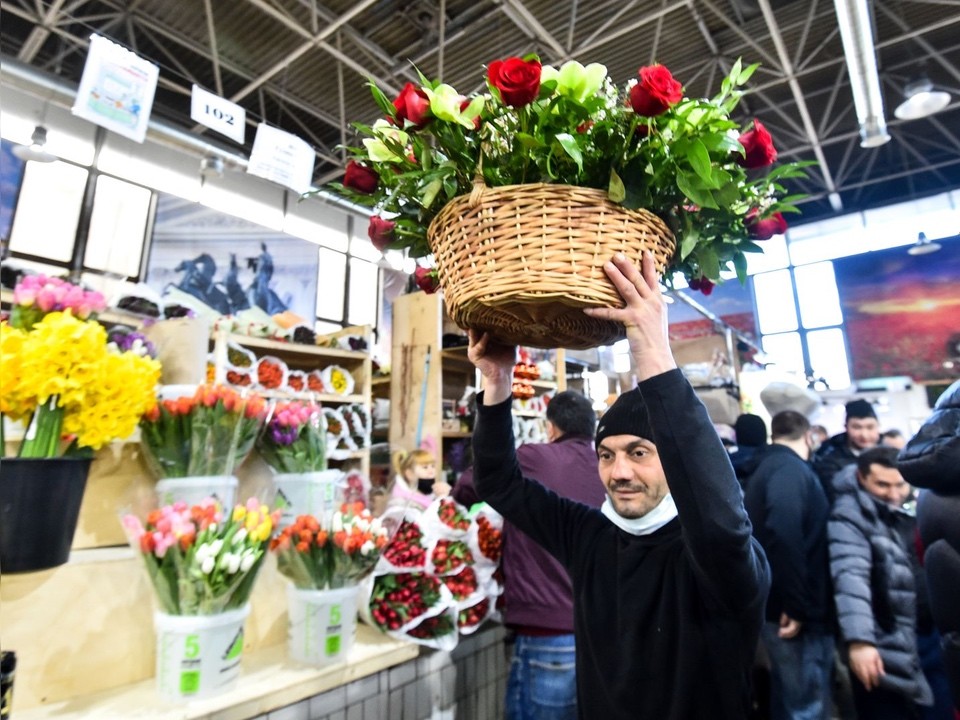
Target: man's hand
{"x": 645, "y": 314}
{"x": 789, "y": 628}
{"x": 866, "y": 664}
{"x": 495, "y": 361}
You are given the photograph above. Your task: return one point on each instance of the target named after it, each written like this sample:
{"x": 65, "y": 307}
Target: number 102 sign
{"x": 218, "y": 114}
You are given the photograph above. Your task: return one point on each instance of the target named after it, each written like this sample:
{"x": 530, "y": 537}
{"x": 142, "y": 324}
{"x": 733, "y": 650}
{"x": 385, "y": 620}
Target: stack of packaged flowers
{"x": 437, "y": 578}
{"x": 202, "y": 564}
{"x": 193, "y": 443}
{"x": 325, "y": 561}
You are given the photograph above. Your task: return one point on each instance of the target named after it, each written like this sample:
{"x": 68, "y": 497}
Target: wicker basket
{"x": 522, "y": 261}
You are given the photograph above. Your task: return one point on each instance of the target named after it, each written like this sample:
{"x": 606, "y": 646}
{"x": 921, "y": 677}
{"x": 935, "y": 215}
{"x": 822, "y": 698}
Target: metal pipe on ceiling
{"x": 856, "y": 32}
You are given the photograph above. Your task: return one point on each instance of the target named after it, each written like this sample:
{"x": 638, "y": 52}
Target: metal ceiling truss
{"x": 302, "y": 64}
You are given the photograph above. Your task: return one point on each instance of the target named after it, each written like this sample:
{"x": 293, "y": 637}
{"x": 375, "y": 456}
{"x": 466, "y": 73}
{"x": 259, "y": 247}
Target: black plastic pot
{"x": 39, "y": 506}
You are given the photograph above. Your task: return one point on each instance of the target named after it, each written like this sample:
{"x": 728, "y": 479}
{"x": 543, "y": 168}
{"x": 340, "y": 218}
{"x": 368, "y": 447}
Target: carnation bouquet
{"x": 316, "y": 557}
{"x": 200, "y": 561}
{"x": 650, "y": 146}
{"x": 64, "y": 377}
{"x": 208, "y": 433}
{"x": 294, "y": 439}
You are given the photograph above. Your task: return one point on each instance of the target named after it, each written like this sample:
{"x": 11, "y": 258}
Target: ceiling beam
{"x": 40, "y": 32}
{"x": 214, "y": 54}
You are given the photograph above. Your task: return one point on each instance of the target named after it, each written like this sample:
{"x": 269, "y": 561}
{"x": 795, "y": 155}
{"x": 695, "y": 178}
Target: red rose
{"x": 656, "y": 91}
{"x": 758, "y": 147}
{"x": 517, "y": 80}
{"x": 360, "y": 178}
{"x": 381, "y": 233}
{"x": 585, "y": 126}
{"x": 413, "y": 105}
{"x": 426, "y": 279}
{"x": 702, "y": 284}
{"x": 767, "y": 227}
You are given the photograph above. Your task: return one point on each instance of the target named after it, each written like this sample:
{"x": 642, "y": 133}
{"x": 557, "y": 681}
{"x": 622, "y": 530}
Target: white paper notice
{"x": 282, "y": 157}
{"x": 218, "y": 114}
{"x": 117, "y": 89}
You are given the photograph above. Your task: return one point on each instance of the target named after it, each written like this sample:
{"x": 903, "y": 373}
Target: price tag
{"x": 218, "y": 114}
{"x": 282, "y": 157}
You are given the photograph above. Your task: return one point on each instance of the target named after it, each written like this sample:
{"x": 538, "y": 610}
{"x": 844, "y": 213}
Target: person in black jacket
{"x": 789, "y": 511}
{"x": 861, "y": 432}
{"x": 668, "y": 583}
{"x": 931, "y": 460}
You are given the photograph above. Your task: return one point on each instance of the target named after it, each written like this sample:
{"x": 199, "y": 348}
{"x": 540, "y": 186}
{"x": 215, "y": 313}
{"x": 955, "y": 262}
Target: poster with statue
{"x": 229, "y": 264}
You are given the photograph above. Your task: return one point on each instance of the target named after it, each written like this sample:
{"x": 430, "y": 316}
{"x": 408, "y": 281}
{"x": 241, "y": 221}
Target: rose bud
{"x": 702, "y": 284}
{"x": 463, "y": 106}
{"x": 360, "y": 178}
{"x": 381, "y": 232}
{"x": 413, "y": 105}
{"x": 426, "y": 279}
{"x": 656, "y": 91}
{"x": 758, "y": 147}
{"x": 767, "y": 227}
{"x": 517, "y": 80}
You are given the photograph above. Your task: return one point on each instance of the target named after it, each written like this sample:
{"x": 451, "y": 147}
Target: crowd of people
{"x": 648, "y": 567}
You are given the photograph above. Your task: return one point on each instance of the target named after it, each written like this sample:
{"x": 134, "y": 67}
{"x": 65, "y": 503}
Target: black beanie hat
{"x": 627, "y": 416}
{"x": 860, "y": 409}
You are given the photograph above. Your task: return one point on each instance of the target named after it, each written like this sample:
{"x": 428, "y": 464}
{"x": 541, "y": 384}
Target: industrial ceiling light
{"x": 921, "y": 100}
{"x": 35, "y": 150}
{"x": 211, "y": 166}
{"x": 923, "y": 246}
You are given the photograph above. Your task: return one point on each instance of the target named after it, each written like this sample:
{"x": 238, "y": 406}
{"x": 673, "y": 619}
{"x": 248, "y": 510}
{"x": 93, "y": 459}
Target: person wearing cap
{"x": 669, "y": 585}
{"x": 861, "y": 432}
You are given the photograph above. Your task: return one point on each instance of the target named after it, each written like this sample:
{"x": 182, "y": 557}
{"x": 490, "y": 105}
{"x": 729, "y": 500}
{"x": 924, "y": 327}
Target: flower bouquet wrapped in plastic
{"x": 207, "y": 434}
{"x": 294, "y": 439}
{"x": 200, "y": 560}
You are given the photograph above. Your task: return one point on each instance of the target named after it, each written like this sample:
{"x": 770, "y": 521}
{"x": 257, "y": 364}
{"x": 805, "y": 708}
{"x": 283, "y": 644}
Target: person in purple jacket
{"x": 538, "y": 597}
{"x": 669, "y": 585}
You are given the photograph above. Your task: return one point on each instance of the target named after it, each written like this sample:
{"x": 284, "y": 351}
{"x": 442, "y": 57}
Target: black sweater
{"x": 666, "y": 623}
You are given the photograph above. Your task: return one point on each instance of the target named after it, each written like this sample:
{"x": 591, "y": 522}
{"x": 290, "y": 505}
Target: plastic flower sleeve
{"x": 199, "y": 560}
{"x": 415, "y": 607}
{"x": 445, "y": 518}
{"x": 294, "y": 439}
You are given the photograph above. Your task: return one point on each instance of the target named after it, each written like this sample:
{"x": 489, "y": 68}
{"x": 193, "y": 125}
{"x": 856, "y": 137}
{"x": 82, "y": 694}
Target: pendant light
{"x": 35, "y": 150}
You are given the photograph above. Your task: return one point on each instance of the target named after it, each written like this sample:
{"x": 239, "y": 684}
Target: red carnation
{"x": 702, "y": 284}
{"x": 413, "y": 105}
{"x": 656, "y": 91}
{"x": 767, "y": 227}
{"x": 426, "y": 279}
{"x": 360, "y": 178}
{"x": 517, "y": 80}
{"x": 381, "y": 232}
{"x": 758, "y": 147}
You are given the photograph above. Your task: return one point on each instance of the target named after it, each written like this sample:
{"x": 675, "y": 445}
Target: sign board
{"x": 282, "y": 157}
{"x": 218, "y": 114}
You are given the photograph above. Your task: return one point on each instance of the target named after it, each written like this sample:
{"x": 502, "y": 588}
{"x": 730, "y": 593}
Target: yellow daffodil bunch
{"x": 63, "y": 380}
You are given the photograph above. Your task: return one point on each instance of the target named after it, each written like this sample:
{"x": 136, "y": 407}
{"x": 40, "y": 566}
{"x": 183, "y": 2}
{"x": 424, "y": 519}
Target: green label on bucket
{"x": 236, "y": 646}
{"x": 335, "y": 614}
{"x": 191, "y": 646}
{"x": 333, "y": 645}
{"x": 189, "y": 682}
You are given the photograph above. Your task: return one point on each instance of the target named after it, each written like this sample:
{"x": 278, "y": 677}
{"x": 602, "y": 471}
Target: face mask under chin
{"x": 425, "y": 485}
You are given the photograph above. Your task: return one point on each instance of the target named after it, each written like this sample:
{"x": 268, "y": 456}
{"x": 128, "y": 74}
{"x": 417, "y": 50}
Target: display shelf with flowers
{"x": 521, "y": 192}
{"x": 74, "y": 389}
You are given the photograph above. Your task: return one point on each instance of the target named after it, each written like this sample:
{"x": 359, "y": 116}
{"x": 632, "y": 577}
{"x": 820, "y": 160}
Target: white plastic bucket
{"x": 313, "y": 493}
{"x": 192, "y": 490}
{"x": 322, "y": 624}
{"x": 198, "y": 655}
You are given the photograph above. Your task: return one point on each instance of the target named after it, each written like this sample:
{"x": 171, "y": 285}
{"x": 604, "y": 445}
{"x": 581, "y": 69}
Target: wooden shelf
{"x": 545, "y": 384}
{"x": 457, "y": 433}
{"x": 378, "y": 381}
{"x": 281, "y": 349}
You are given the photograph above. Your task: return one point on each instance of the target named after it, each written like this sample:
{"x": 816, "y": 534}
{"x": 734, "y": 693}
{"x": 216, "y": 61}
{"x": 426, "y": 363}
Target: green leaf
{"x": 748, "y": 246}
{"x": 697, "y": 195}
{"x": 615, "y": 190}
{"x": 385, "y": 104}
{"x": 430, "y": 192}
{"x": 709, "y": 262}
{"x": 691, "y": 236}
{"x": 528, "y": 141}
{"x": 740, "y": 265}
{"x": 570, "y": 146}
{"x": 745, "y": 74}
{"x": 699, "y": 159}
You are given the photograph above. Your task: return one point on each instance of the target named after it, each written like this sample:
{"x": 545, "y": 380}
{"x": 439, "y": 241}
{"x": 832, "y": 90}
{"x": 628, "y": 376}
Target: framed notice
{"x": 218, "y": 114}
{"x": 117, "y": 89}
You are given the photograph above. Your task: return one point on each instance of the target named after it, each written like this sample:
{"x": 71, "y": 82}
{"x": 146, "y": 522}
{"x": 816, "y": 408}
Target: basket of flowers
{"x": 521, "y": 193}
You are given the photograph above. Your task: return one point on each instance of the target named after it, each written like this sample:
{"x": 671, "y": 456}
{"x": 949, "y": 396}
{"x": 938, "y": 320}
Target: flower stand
{"x": 198, "y": 655}
{"x": 322, "y": 624}
{"x": 39, "y": 505}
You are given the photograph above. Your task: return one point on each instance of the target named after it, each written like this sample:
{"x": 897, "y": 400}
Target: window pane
{"x": 45, "y": 223}
{"x": 828, "y": 239}
{"x": 775, "y": 307}
{"x": 363, "y": 293}
{"x": 773, "y": 257}
{"x": 118, "y": 225}
{"x": 784, "y": 351}
{"x": 817, "y": 295}
{"x": 330, "y": 284}
{"x": 828, "y": 357}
